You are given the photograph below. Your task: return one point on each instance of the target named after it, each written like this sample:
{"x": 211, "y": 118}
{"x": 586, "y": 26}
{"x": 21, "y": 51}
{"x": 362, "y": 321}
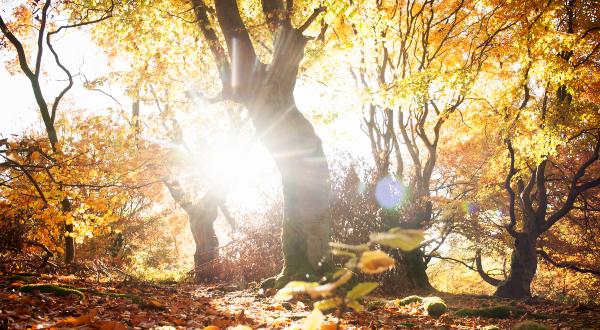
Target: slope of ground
{"x": 122, "y": 305}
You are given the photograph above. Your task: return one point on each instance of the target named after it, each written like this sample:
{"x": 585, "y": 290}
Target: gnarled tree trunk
{"x": 523, "y": 265}
{"x": 298, "y": 153}
{"x": 266, "y": 90}
{"x": 532, "y": 198}
{"x": 202, "y": 216}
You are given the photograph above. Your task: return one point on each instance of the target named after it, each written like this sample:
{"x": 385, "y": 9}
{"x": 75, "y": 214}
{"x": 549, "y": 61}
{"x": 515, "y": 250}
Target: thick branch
{"x": 482, "y": 273}
{"x": 311, "y": 18}
{"x": 207, "y": 30}
{"x": 511, "y": 193}
{"x": 576, "y": 189}
{"x": 35, "y": 84}
{"x": 541, "y": 191}
{"x": 40, "y": 43}
{"x": 239, "y": 45}
{"x": 570, "y": 266}
{"x": 276, "y": 14}
{"x": 178, "y": 194}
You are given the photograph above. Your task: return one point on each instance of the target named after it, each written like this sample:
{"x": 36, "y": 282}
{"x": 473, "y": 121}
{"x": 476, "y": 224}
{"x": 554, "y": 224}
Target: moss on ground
{"x": 434, "y": 306}
{"x": 529, "y": 325}
{"x": 58, "y": 290}
{"x": 20, "y": 278}
{"x": 409, "y": 300}
{"x": 376, "y": 304}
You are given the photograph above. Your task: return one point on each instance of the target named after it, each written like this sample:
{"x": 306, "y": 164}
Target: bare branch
{"x": 312, "y": 18}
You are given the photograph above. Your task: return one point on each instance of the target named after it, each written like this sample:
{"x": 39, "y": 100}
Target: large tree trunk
{"x": 409, "y": 273}
{"x": 523, "y": 266}
{"x": 298, "y": 153}
{"x": 266, "y": 90}
{"x": 202, "y": 214}
{"x": 201, "y": 219}
{"x": 411, "y": 268}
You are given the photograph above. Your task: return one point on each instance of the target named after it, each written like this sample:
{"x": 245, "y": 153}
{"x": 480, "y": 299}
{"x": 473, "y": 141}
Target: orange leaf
{"x": 79, "y": 320}
{"x": 155, "y": 303}
{"x": 110, "y": 325}
{"x": 329, "y": 326}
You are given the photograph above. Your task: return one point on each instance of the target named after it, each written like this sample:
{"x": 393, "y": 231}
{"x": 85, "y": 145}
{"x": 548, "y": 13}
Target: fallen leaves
{"x": 110, "y": 325}
{"x": 184, "y": 306}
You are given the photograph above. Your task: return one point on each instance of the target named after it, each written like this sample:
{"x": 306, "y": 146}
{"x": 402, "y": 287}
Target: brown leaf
{"x": 72, "y": 321}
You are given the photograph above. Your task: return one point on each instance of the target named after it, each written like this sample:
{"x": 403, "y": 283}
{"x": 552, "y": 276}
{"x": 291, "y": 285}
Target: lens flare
{"x": 469, "y": 207}
{"x": 389, "y": 192}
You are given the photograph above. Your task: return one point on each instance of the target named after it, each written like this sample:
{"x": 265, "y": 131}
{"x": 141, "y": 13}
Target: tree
{"x": 534, "y": 202}
{"x": 544, "y": 185}
{"x": 33, "y": 74}
{"x": 419, "y": 66}
{"x": 266, "y": 90}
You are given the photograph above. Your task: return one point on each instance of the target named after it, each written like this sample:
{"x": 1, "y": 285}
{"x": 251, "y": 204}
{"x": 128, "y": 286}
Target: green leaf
{"x": 355, "y": 305}
{"x": 404, "y": 239}
{"x": 326, "y": 304}
{"x": 361, "y": 290}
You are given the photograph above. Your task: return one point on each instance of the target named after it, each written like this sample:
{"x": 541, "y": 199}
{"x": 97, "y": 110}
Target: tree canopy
{"x": 324, "y": 147}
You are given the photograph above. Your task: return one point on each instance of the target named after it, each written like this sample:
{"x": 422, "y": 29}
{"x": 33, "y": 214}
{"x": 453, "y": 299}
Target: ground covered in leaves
{"x": 31, "y": 303}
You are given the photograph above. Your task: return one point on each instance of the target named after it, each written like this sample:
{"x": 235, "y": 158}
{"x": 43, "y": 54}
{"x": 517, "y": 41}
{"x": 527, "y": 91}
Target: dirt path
{"x": 115, "y": 306}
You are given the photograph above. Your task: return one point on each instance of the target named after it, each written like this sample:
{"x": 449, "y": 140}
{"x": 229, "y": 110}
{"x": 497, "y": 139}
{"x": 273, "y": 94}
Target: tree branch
{"x": 57, "y": 60}
{"x": 239, "y": 45}
{"x": 576, "y": 189}
{"x": 511, "y": 193}
{"x": 219, "y": 55}
{"x": 482, "y": 273}
{"x": 312, "y": 18}
{"x": 570, "y": 266}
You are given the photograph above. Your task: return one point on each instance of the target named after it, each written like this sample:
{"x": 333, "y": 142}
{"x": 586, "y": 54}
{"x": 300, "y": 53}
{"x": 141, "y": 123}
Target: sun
{"x": 243, "y": 170}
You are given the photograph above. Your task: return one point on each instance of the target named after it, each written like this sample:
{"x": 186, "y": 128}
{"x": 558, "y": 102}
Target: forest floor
{"x": 143, "y": 305}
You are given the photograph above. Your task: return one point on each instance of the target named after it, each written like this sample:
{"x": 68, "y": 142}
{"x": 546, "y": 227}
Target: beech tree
{"x": 48, "y": 113}
{"x": 418, "y": 65}
{"x": 266, "y": 90}
{"x": 551, "y": 134}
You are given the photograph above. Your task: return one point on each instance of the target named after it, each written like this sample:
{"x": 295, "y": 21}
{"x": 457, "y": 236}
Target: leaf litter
{"x": 143, "y": 305}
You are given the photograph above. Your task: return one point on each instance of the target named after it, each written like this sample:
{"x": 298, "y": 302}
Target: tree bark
{"x": 201, "y": 214}
{"x": 298, "y": 154}
{"x": 201, "y": 219}
{"x": 408, "y": 274}
{"x": 69, "y": 239}
{"x": 523, "y": 266}
{"x": 413, "y": 262}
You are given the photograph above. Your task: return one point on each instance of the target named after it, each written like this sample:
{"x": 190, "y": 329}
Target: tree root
{"x": 59, "y": 290}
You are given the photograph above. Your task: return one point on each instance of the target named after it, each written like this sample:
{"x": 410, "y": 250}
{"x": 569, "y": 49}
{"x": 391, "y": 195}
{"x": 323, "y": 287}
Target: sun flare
{"x": 242, "y": 170}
